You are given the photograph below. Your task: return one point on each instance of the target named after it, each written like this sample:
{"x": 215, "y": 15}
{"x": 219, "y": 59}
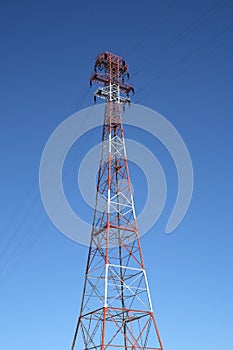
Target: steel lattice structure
{"x": 116, "y": 310}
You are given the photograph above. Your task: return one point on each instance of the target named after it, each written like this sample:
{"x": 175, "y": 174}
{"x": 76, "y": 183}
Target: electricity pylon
{"x": 116, "y": 309}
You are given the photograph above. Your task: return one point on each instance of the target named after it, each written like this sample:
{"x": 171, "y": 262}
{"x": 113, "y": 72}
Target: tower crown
{"x": 111, "y": 71}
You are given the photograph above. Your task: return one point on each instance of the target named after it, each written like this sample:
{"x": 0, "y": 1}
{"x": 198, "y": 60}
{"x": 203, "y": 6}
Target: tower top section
{"x": 111, "y": 72}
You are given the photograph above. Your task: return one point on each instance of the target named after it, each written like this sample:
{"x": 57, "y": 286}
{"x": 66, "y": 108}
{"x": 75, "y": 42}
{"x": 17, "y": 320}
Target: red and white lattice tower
{"x": 116, "y": 310}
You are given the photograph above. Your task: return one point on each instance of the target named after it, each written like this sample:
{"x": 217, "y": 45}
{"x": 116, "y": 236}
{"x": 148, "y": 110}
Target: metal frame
{"x": 116, "y": 310}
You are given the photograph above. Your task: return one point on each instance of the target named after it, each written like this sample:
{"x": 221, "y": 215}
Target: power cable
{"x": 184, "y": 58}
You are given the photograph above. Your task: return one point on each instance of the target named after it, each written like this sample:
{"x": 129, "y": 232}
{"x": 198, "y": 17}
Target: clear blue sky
{"x": 182, "y": 54}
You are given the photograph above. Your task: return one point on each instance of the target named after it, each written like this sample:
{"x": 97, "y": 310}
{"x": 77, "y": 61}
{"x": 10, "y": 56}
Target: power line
{"x": 183, "y": 59}
{"x": 179, "y": 36}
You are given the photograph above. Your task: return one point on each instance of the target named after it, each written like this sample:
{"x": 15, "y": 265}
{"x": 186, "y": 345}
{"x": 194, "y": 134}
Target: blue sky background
{"x": 180, "y": 57}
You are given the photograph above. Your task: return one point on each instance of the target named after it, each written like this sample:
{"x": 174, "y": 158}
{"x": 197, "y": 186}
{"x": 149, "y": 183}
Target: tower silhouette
{"x": 116, "y": 309}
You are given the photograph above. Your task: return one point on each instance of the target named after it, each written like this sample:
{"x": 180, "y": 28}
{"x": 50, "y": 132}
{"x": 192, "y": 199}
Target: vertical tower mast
{"x": 116, "y": 310}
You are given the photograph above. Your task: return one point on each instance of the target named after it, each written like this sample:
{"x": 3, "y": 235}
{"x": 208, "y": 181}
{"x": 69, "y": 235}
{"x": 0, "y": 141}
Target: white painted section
{"x": 127, "y": 267}
{"x": 109, "y": 151}
{"x": 132, "y": 201}
{"x": 109, "y": 200}
{"x": 110, "y": 92}
{"x": 106, "y": 287}
{"x": 118, "y": 94}
{"x": 148, "y": 291}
